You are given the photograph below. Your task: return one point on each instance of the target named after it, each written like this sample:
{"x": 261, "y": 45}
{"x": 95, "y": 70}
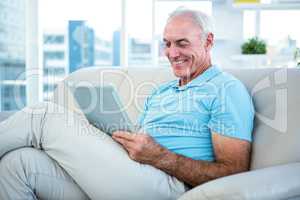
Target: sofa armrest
{"x": 278, "y": 182}
{"x": 5, "y": 114}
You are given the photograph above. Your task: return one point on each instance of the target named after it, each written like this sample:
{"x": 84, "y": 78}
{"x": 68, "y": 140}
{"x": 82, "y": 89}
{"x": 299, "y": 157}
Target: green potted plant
{"x": 254, "y": 46}
{"x": 253, "y": 54}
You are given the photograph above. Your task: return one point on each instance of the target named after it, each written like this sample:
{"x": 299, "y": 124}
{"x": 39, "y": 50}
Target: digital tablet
{"x": 103, "y": 108}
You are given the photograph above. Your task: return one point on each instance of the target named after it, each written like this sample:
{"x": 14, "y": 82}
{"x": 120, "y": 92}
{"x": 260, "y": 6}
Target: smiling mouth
{"x": 179, "y": 62}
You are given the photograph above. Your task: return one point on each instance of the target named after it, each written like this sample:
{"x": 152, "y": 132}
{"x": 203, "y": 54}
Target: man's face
{"x": 187, "y": 52}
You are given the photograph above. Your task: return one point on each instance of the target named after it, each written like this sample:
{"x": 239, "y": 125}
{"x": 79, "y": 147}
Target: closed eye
{"x": 166, "y": 43}
{"x": 179, "y": 43}
{"x": 182, "y": 43}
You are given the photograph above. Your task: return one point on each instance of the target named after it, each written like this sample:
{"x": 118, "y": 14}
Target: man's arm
{"x": 231, "y": 156}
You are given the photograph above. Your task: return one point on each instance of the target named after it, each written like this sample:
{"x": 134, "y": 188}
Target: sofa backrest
{"x": 274, "y": 91}
{"x": 277, "y": 104}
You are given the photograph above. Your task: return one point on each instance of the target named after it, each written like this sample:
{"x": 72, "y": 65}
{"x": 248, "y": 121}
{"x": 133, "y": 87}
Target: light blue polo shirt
{"x": 182, "y": 118}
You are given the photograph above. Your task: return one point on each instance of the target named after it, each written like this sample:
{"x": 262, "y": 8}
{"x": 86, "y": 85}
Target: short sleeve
{"x": 232, "y": 112}
{"x": 142, "y": 115}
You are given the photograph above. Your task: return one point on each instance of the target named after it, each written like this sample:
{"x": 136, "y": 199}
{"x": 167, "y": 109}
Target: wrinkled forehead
{"x": 181, "y": 27}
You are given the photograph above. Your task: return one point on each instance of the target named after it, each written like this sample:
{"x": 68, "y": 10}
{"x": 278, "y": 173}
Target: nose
{"x": 172, "y": 52}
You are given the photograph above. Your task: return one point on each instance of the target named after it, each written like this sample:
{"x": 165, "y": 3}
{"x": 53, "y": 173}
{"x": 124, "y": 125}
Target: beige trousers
{"x": 99, "y": 165}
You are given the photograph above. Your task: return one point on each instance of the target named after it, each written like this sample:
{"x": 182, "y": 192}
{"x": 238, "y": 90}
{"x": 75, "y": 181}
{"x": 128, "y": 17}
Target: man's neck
{"x": 186, "y": 80}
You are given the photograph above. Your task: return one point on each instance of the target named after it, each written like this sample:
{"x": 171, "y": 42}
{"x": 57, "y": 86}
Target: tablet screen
{"x": 103, "y": 108}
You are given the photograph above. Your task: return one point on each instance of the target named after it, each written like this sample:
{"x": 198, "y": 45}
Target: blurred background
{"x": 42, "y": 41}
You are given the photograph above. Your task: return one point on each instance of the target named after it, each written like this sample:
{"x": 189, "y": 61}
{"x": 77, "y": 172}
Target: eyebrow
{"x": 182, "y": 40}
{"x": 177, "y": 41}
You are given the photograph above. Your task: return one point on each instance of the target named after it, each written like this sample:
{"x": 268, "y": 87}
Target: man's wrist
{"x": 166, "y": 160}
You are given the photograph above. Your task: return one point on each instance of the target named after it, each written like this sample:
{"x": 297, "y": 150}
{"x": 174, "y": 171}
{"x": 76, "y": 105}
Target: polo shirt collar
{"x": 207, "y": 75}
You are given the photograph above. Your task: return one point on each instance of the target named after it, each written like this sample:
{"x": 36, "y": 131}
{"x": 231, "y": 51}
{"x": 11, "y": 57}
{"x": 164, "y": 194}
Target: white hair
{"x": 200, "y": 18}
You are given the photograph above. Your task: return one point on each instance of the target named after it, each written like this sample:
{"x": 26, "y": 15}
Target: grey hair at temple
{"x": 200, "y": 18}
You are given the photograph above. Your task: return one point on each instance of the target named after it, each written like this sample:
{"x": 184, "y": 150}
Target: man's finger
{"x": 124, "y": 142}
{"x": 124, "y": 135}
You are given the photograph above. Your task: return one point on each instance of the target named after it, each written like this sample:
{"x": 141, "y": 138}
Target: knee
{"x": 18, "y": 162}
{"x": 18, "y": 173}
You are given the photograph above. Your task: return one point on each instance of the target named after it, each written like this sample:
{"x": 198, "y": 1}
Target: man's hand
{"x": 231, "y": 156}
{"x": 140, "y": 147}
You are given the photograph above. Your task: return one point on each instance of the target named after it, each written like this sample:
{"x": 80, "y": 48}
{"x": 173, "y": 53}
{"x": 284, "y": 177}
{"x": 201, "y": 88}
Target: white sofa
{"x": 275, "y": 162}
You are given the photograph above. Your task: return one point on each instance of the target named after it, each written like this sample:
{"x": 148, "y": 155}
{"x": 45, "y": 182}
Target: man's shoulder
{"x": 225, "y": 78}
{"x": 226, "y": 83}
{"x": 164, "y": 86}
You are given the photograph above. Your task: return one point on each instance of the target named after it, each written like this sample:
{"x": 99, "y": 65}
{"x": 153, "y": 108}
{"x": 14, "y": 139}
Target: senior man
{"x": 194, "y": 129}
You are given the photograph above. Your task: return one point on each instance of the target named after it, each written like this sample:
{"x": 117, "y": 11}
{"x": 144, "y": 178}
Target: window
{"x": 10, "y": 96}
{"x": 86, "y": 33}
{"x": 7, "y": 106}
{"x": 12, "y": 55}
{"x": 54, "y": 71}
{"x": 278, "y": 25}
{"x": 56, "y": 55}
{"x": 274, "y": 26}
{"x": 54, "y": 39}
{"x": 278, "y": 28}
{"x": 249, "y": 24}
{"x": 139, "y": 26}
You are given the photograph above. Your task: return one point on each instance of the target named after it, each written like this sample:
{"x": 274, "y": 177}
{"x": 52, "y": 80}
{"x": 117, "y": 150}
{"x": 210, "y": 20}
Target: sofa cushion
{"x": 92, "y": 76}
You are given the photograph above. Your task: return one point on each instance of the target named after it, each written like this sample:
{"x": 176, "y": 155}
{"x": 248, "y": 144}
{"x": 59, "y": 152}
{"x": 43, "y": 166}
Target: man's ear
{"x": 209, "y": 41}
